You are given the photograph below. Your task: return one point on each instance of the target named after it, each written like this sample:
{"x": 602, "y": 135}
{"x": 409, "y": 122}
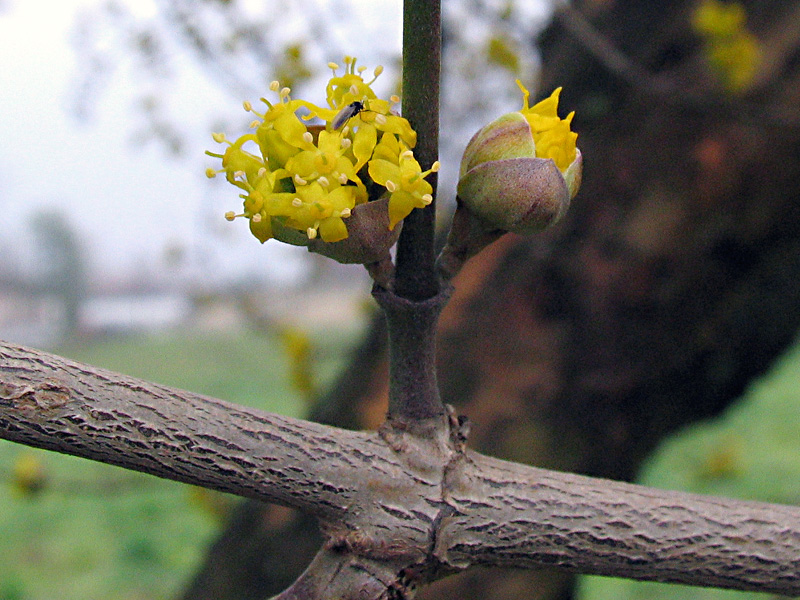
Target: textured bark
{"x": 532, "y": 517}
{"x": 672, "y": 282}
{"x": 397, "y": 509}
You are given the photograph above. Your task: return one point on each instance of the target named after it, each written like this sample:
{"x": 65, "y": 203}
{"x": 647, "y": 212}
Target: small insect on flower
{"x": 347, "y": 113}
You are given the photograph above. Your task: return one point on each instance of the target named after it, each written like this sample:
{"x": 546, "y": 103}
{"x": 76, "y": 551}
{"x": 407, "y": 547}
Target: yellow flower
{"x": 395, "y": 168}
{"x": 327, "y": 159}
{"x": 318, "y": 210}
{"x": 300, "y": 182}
{"x": 551, "y": 135}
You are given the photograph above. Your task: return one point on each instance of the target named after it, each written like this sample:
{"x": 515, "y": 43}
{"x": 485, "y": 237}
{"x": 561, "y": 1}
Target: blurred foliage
{"x": 298, "y": 347}
{"x": 28, "y": 475}
{"x": 505, "y": 53}
{"x": 752, "y": 452}
{"x": 731, "y": 51}
{"x": 234, "y": 47}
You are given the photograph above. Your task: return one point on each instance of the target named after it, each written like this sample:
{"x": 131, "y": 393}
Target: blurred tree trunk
{"x": 673, "y": 282}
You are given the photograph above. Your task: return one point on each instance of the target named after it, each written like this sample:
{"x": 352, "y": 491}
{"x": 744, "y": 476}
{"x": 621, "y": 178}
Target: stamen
{"x": 239, "y": 174}
{"x": 378, "y": 70}
{"x": 380, "y": 119}
{"x": 346, "y": 143}
{"x": 394, "y": 99}
{"x": 311, "y": 233}
{"x": 274, "y": 85}
{"x": 297, "y": 203}
{"x": 256, "y": 218}
{"x": 230, "y": 215}
{"x": 218, "y": 137}
{"x": 346, "y": 212}
{"x": 408, "y": 155}
{"x": 284, "y": 93}
{"x": 262, "y": 172}
{"x": 211, "y": 173}
{"x": 299, "y": 180}
{"x": 391, "y": 185}
{"x": 435, "y": 166}
{"x": 361, "y": 70}
{"x": 333, "y": 66}
{"x": 254, "y": 124}
{"x": 323, "y": 181}
{"x": 354, "y": 90}
{"x": 427, "y": 199}
{"x": 342, "y": 178}
{"x": 247, "y": 105}
{"x": 308, "y": 138}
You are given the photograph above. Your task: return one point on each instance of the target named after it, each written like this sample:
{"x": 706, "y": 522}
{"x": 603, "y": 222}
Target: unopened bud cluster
{"x": 520, "y": 171}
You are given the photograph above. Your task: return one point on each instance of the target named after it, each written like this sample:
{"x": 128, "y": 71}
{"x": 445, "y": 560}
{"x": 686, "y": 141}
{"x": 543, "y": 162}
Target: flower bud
{"x": 519, "y": 172}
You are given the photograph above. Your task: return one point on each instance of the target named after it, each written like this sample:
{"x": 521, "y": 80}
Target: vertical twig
{"x": 415, "y": 277}
{"x": 412, "y": 307}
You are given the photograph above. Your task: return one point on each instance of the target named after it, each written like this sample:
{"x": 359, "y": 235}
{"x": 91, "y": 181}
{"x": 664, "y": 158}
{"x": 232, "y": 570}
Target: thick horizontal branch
{"x": 420, "y": 505}
{"x": 54, "y": 403}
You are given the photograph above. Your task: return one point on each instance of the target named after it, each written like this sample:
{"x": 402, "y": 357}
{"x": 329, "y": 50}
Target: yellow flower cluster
{"x": 552, "y": 136}
{"x": 732, "y": 51}
{"x": 301, "y": 181}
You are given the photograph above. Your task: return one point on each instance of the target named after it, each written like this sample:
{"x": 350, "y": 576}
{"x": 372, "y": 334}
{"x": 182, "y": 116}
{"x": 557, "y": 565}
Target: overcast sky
{"x": 128, "y": 202}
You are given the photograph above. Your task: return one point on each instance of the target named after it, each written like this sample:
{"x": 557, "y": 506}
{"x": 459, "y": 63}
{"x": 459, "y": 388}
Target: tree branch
{"x": 518, "y": 516}
{"x": 57, "y": 404}
{"x": 398, "y": 508}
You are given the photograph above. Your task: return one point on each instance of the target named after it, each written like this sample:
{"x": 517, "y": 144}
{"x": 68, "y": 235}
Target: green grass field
{"x": 95, "y": 532}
